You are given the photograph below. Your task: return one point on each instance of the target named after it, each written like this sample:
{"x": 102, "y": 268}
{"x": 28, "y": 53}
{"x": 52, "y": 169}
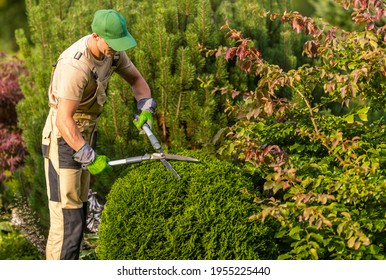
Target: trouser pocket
{"x": 46, "y": 140}
{"x": 65, "y": 153}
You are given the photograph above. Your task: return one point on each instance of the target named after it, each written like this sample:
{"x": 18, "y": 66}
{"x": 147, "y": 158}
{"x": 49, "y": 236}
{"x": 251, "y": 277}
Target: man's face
{"x": 104, "y": 48}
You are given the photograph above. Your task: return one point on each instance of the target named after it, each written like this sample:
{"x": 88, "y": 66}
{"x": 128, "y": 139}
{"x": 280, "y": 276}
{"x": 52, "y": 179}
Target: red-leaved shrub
{"x": 12, "y": 148}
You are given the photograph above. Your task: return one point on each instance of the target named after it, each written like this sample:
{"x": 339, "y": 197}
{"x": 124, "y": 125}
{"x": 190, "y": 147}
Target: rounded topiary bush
{"x": 149, "y": 214}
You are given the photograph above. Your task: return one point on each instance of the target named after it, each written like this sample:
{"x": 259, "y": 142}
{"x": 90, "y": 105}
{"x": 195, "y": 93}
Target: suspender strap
{"x": 115, "y": 59}
{"x": 79, "y": 56}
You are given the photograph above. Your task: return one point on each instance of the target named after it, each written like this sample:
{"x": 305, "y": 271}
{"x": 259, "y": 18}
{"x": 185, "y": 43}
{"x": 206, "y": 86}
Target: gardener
{"x": 77, "y": 94}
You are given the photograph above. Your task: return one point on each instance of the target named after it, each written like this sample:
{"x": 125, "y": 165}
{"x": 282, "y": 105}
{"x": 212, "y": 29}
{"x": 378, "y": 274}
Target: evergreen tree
{"x": 333, "y": 13}
{"x": 12, "y": 17}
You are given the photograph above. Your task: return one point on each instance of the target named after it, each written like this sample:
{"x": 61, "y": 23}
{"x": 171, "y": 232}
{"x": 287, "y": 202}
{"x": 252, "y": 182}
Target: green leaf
{"x": 260, "y": 125}
{"x": 379, "y": 225}
{"x": 294, "y": 233}
{"x": 240, "y": 131}
{"x": 280, "y": 233}
{"x": 362, "y": 113}
{"x": 296, "y": 236}
{"x": 318, "y": 237}
{"x": 284, "y": 257}
{"x": 340, "y": 228}
{"x": 379, "y": 257}
{"x": 231, "y": 148}
{"x": 363, "y": 117}
{"x": 299, "y": 148}
{"x": 340, "y": 246}
{"x": 269, "y": 185}
{"x": 349, "y": 118}
{"x": 374, "y": 249}
{"x": 314, "y": 254}
{"x": 277, "y": 187}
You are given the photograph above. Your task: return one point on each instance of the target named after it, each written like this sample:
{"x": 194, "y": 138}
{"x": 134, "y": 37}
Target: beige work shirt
{"x": 76, "y": 79}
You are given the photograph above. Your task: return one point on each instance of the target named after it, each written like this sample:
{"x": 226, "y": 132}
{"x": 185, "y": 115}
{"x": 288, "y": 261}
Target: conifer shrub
{"x": 149, "y": 214}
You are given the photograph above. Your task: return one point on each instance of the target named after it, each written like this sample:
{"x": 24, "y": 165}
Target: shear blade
{"x": 173, "y": 157}
{"x": 170, "y": 168}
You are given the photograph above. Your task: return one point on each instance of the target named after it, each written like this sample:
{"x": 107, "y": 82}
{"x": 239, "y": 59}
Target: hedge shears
{"x": 160, "y": 155}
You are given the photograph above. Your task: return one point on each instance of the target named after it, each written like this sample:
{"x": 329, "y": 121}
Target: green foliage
{"x": 322, "y": 169}
{"x": 171, "y": 37}
{"x": 331, "y": 12}
{"x": 304, "y": 6}
{"x": 14, "y": 246}
{"x": 150, "y": 214}
{"x": 12, "y": 17}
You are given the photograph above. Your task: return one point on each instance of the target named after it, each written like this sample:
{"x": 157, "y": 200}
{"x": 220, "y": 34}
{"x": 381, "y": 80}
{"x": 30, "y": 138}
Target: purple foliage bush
{"x": 12, "y": 148}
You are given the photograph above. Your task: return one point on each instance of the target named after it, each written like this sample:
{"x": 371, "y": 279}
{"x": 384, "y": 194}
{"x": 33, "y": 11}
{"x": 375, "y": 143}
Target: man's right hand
{"x": 99, "y": 165}
{"x": 94, "y": 163}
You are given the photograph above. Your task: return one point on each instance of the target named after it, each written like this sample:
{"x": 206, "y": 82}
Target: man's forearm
{"x": 141, "y": 89}
{"x": 66, "y": 124}
{"x": 70, "y": 133}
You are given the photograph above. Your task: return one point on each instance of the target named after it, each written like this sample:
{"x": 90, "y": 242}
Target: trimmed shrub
{"x": 149, "y": 214}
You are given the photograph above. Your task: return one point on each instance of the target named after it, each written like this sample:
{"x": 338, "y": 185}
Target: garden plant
{"x": 315, "y": 135}
{"x": 150, "y": 214}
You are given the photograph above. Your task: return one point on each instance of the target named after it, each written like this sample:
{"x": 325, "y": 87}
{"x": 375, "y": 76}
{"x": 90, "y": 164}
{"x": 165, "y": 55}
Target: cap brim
{"x": 122, "y": 44}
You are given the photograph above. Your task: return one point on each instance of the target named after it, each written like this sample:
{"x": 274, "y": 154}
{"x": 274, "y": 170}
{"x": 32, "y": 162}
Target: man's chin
{"x": 109, "y": 54}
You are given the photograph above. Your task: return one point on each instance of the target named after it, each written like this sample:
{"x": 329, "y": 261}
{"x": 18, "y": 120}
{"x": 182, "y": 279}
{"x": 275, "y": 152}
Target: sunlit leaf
{"x": 314, "y": 254}
{"x": 349, "y": 118}
{"x": 351, "y": 241}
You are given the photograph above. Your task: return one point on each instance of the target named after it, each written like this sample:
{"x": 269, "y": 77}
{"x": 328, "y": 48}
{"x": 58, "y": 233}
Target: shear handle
{"x": 129, "y": 160}
{"x": 153, "y": 140}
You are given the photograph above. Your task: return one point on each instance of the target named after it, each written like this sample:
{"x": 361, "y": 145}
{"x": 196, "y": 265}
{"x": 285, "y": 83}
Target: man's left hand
{"x": 147, "y": 108}
{"x": 144, "y": 117}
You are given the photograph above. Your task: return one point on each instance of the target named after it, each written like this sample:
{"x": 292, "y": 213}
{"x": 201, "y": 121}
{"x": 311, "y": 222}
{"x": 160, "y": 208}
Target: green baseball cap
{"x": 111, "y": 26}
